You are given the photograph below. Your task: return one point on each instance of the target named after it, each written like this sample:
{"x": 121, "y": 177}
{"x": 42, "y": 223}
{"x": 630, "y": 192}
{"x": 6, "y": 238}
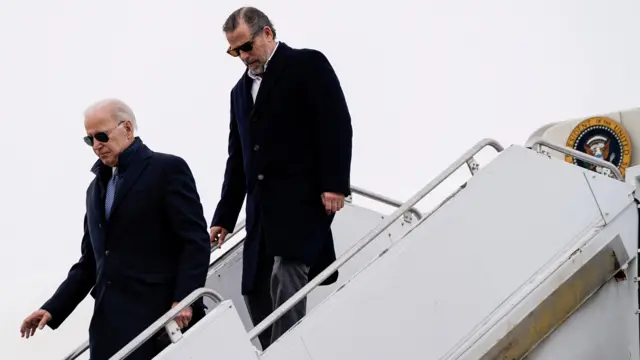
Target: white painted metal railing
{"x": 77, "y": 352}
{"x": 537, "y": 144}
{"x": 362, "y": 243}
{"x": 166, "y": 321}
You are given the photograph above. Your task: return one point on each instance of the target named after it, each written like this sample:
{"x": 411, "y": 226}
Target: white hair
{"x": 120, "y": 110}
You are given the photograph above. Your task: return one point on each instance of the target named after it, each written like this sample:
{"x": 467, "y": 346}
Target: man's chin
{"x": 256, "y": 69}
{"x": 107, "y": 160}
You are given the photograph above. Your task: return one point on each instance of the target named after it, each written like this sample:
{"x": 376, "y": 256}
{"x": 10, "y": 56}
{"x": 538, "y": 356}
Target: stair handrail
{"x": 78, "y": 351}
{"x": 354, "y": 189}
{"x": 369, "y": 237}
{"x": 153, "y": 328}
{"x": 576, "y": 154}
{"x": 385, "y": 200}
{"x": 241, "y": 225}
{"x": 165, "y": 319}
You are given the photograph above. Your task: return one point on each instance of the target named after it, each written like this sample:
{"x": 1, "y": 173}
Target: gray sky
{"x": 425, "y": 80}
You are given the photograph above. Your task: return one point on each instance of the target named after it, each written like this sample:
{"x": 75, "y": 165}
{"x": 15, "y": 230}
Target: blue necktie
{"x": 111, "y": 192}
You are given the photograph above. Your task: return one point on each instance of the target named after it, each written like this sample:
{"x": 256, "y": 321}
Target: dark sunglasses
{"x": 102, "y": 136}
{"x": 246, "y": 47}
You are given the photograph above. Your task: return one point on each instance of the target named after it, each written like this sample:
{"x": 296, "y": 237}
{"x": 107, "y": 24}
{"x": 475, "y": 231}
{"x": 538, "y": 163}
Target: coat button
{"x": 260, "y": 177}
{"x": 106, "y": 253}
{"x": 256, "y": 148}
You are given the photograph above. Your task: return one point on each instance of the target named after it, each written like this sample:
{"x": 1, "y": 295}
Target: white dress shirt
{"x": 257, "y": 79}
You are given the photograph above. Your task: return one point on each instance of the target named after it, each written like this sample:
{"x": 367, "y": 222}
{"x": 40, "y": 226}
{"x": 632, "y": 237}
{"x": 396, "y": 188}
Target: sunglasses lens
{"x": 88, "y": 140}
{"x": 246, "y": 47}
{"x": 101, "y": 136}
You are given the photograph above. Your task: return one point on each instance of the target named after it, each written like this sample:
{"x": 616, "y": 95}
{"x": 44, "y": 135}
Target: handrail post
{"x": 383, "y": 199}
{"x": 371, "y": 235}
{"x": 539, "y": 142}
{"x": 164, "y": 320}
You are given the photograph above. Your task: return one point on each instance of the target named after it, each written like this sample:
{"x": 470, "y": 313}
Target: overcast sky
{"x": 425, "y": 80}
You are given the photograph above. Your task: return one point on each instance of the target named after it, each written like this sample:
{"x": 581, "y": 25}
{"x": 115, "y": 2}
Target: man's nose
{"x": 96, "y": 145}
{"x": 244, "y": 56}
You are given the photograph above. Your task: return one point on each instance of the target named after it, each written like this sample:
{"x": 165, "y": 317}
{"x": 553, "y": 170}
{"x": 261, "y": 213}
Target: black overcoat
{"x": 285, "y": 150}
{"x": 153, "y": 250}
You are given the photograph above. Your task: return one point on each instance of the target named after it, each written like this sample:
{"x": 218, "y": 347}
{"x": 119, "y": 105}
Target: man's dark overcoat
{"x": 153, "y": 250}
{"x": 285, "y": 150}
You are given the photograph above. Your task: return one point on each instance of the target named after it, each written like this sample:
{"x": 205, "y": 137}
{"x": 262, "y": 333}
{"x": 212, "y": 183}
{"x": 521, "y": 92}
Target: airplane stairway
{"x": 350, "y": 224}
{"x": 532, "y": 258}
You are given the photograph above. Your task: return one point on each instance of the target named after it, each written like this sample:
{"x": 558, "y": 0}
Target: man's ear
{"x": 267, "y": 32}
{"x": 128, "y": 126}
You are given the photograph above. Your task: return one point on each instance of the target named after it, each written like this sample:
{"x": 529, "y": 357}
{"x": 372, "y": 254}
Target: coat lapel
{"x": 271, "y": 76}
{"x": 95, "y": 208}
{"x": 97, "y": 192}
{"x": 245, "y": 93}
{"x": 97, "y": 211}
{"x": 129, "y": 177}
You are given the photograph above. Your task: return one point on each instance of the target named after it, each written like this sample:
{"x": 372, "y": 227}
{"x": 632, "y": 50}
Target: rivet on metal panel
{"x": 473, "y": 165}
{"x": 407, "y": 217}
{"x": 543, "y": 151}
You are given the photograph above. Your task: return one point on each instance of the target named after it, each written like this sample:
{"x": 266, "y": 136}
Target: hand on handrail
{"x": 218, "y": 235}
{"x": 165, "y": 319}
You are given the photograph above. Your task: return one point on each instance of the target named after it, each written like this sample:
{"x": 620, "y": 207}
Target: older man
{"x": 145, "y": 244}
{"x": 290, "y": 151}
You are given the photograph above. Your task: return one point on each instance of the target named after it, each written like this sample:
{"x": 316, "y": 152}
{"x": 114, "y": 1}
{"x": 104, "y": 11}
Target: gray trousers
{"x": 286, "y": 279}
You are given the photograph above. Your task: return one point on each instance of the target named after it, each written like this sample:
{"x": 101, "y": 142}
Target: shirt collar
{"x": 259, "y": 77}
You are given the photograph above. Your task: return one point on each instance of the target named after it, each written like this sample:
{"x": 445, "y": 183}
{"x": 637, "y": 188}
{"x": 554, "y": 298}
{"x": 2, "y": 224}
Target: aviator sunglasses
{"x": 246, "y": 47}
{"x": 102, "y": 136}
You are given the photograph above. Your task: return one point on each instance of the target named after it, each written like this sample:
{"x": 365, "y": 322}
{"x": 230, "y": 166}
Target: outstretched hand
{"x": 37, "y": 320}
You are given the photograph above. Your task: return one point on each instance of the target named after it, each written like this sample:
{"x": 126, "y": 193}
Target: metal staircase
{"x": 529, "y": 255}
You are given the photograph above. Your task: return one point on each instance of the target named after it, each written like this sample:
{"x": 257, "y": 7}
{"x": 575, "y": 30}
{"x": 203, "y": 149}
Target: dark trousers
{"x": 272, "y": 289}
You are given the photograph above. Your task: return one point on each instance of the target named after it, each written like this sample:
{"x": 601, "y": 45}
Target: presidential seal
{"x": 603, "y": 138}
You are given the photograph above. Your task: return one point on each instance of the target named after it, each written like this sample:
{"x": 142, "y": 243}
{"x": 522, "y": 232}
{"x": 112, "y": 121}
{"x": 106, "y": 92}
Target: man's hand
{"x": 333, "y": 202}
{"x": 37, "y": 320}
{"x": 184, "y": 317}
{"x": 218, "y": 234}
